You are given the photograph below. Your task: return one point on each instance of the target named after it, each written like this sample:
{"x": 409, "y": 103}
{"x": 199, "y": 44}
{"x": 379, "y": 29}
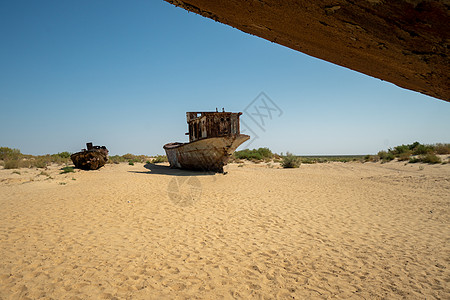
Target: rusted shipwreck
{"x": 213, "y": 137}
{"x": 92, "y": 158}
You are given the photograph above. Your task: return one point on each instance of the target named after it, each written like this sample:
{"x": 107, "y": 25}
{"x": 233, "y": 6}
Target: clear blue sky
{"x": 123, "y": 74}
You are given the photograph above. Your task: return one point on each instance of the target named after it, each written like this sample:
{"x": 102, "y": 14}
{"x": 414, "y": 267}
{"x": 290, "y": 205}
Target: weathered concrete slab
{"x": 405, "y": 42}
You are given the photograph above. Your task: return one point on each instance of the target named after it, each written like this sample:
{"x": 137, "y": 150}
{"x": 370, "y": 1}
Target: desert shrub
{"x": 404, "y": 156}
{"x": 422, "y": 149}
{"x": 248, "y": 154}
{"x": 413, "y": 145}
{"x": 398, "y": 150}
{"x": 115, "y": 159}
{"x": 54, "y": 158}
{"x": 386, "y": 156}
{"x": 131, "y": 163}
{"x": 40, "y": 162}
{"x": 128, "y": 156}
{"x": 371, "y": 158}
{"x": 290, "y": 161}
{"x": 64, "y": 154}
{"x": 139, "y": 158}
{"x": 431, "y": 158}
{"x": 306, "y": 160}
{"x": 382, "y": 154}
{"x": 160, "y": 159}
{"x": 442, "y": 149}
{"x": 26, "y": 163}
{"x": 345, "y": 159}
{"x": 9, "y": 153}
{"x": 11, "y": 164}
{"x": 67, "y": 170}
{"x": 133, "y": 158}
{"x": 254, "y": 154}
{"x": 265, "y": 152}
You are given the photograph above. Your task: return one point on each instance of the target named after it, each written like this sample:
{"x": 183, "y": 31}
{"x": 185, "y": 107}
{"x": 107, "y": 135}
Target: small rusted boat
{"x": 92, "y": 158}
{"x": 213, "y": 137}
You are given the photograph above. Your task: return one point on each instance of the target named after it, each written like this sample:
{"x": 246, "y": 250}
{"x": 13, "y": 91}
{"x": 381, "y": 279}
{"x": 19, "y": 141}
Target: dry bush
{"x": 11, "y": 164}
{"x": 160, "y": 159}
{"x": 442, "y": 149}
{"x": 290, "y": 161}
{"x": 404, "y": 156}
{"x": 431, "y": 159}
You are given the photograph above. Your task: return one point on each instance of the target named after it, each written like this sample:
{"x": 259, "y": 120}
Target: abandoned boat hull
{"x": 89, "y": 160}
{"x": 209, "y": 154}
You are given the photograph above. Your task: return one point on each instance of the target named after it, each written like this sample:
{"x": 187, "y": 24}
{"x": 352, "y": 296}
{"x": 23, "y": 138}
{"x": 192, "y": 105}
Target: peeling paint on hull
{"x": 210, "y": 154}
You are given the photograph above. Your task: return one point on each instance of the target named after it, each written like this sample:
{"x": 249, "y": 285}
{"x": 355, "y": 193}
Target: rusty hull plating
{"x": 213, "y": 137}
{"x": 93, "y": 158}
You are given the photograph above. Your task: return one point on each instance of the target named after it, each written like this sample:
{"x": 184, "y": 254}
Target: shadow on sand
{"x": 166, "y": 170}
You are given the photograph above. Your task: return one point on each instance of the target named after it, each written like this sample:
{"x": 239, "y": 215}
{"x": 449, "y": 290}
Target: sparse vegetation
{"x": 431, "y": 158}
{"x": 39, "y": 163}
{"x": 442, "y": 149}
{"x": 371, "y": 158}
{"x": 404, "y": 156}
{"x": 411, "y": 153}
{"x": 254, "y": 155}
{"x": 67, "y": 169}
{"x": 330, "y": 158}
{"x": 421, "y": 149}
{"x": 386, "y": 156}
{"x": 290, "y": 161}
{"x": 11, "y": 164}
{"x": 160, "y": 159}
{"x": 13, "y": 159}
{"x": 427, "y": 158}
{"x": 9, "y": 153}
{"x": 308, "y": 160}
{"x": 116, "y": 159}
{"x": 416, "y": 153}
{"x": 64, "y": 154}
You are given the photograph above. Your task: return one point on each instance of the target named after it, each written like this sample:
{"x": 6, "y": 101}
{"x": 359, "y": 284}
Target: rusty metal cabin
{"x": 204, "y": 125}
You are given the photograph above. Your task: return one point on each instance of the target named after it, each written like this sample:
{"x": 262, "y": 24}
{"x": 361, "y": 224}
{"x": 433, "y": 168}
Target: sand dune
{"x": 336, "y": 230}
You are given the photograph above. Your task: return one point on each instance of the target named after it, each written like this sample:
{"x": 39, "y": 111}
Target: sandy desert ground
{"x": 332, "y": 230}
